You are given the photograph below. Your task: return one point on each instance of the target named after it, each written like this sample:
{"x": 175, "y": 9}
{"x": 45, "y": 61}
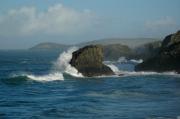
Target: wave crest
{"x": 49, "y": 77}
{"x": 60, "y": 66}
{"x": 62, "y": 63}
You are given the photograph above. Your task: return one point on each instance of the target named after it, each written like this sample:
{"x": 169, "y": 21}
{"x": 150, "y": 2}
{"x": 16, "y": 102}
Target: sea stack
{"x": 89, "y": 61}
{"x": 167, "y": 59}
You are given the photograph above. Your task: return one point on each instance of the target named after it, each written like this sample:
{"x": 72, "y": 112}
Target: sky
{"x": 25, "y": 23}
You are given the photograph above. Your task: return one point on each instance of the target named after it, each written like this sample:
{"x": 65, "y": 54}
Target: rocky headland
{"x": 168, "y": 57}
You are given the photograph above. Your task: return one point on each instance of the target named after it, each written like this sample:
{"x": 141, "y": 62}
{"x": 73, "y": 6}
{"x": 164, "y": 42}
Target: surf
{"x": 59, "y": 67}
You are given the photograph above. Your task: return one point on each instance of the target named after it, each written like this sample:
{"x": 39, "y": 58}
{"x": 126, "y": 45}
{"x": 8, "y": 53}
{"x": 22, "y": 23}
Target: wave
{"x": 143, "y": 73}
{"x": 17, "y": 80}
{"x": 123, "y": 73}
{"x": 62, "y": 63}
{"x": 114, "y": 68}
{"x": 49, "y": 77}
{"x": 60, "y": 66}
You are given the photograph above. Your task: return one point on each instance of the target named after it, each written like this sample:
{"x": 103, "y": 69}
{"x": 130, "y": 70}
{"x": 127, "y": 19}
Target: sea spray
{"x": 60, "y": 66}
{"x": 49, "y": 77}
{"x": 63, "y": 60}
{"x": 113, "y": 68}
{"x": 62, "y": 63}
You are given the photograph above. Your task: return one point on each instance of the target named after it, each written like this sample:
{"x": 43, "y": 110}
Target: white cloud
{"x": 56, "y": 20}
{"x": 165, "y": 22}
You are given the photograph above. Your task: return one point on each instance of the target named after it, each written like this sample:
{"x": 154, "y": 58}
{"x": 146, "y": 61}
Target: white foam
{"x": 49, "y": 77}
{"x": 122, "y": 73}
{"x": 143, "y": 73}
{"x": 62, "y": 66}
{"x": 63, "y": 60}
{"x": 59, "y": 67}
{"x": 113, "y": 68}
{"x": 62, "y": 63}
{"x": 73, "y": 71}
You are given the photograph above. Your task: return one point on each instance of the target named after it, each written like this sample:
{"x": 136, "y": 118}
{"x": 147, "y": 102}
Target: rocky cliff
{"x": 89, "y": 61}
{"x": 147, "y": 50}
{"x": 167, "y": 59}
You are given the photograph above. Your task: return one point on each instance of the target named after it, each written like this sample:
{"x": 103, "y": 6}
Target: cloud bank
{"x": 56, "y": 20}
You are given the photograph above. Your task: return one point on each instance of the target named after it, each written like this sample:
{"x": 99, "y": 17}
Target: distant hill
{"x": 113, "y": 48}
{"x": 50, "y": 46}
{"x": 131, "y": 42}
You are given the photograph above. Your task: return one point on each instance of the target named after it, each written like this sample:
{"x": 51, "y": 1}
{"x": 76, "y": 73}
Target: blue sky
{"x": 24, "y": 23}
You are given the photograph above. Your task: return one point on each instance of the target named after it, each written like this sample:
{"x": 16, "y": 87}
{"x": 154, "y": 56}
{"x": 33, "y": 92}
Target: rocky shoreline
{"x": 167, "y": 59}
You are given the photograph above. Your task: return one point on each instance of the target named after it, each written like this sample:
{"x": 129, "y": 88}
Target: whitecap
{"x": 62, "y": 63}
{"x": 60, "y": 66}
{"x": 49, "y": 77}
{"x": 113, "y": 68}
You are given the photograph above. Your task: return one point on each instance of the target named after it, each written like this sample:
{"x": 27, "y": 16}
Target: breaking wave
{"x": 114, "y": 68}
{"x": 49, "y": 77}
{"x": 123, "y": 73}
{"x": 60, "y": 66}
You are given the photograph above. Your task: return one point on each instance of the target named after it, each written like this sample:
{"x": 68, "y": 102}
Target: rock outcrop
{"x": 89, "y": 61}
{"x": 167, "y": 59}
{"x": 147, "y": 50}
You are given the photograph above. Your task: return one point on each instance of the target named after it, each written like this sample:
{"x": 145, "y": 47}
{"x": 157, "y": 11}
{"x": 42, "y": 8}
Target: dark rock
{"x": 167, "y": 59}
{"x": 147, "y": 50}
{"x": 89, "y": 61}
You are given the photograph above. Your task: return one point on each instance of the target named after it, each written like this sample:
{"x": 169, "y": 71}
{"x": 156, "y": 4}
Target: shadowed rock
{"x": 89, "y": 61}
{"x": 168, "y": 58}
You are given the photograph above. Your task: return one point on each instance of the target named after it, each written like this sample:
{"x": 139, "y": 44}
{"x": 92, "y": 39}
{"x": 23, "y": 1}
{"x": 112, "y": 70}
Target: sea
{"x": 43, "y": 85}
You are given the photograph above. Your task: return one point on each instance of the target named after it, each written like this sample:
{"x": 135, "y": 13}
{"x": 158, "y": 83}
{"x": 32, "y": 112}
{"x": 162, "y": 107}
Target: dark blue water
{"x": 129, "y": 97}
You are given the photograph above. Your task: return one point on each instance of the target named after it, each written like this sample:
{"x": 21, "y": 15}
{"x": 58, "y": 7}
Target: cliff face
{"x": 167, "y": 59}
{"x": 89, "y": 61}
{"x": 147, "y": 50}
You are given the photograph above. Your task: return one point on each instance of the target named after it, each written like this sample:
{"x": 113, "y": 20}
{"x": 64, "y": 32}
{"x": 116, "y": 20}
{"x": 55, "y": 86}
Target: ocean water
{"x": 42, "y": 85}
